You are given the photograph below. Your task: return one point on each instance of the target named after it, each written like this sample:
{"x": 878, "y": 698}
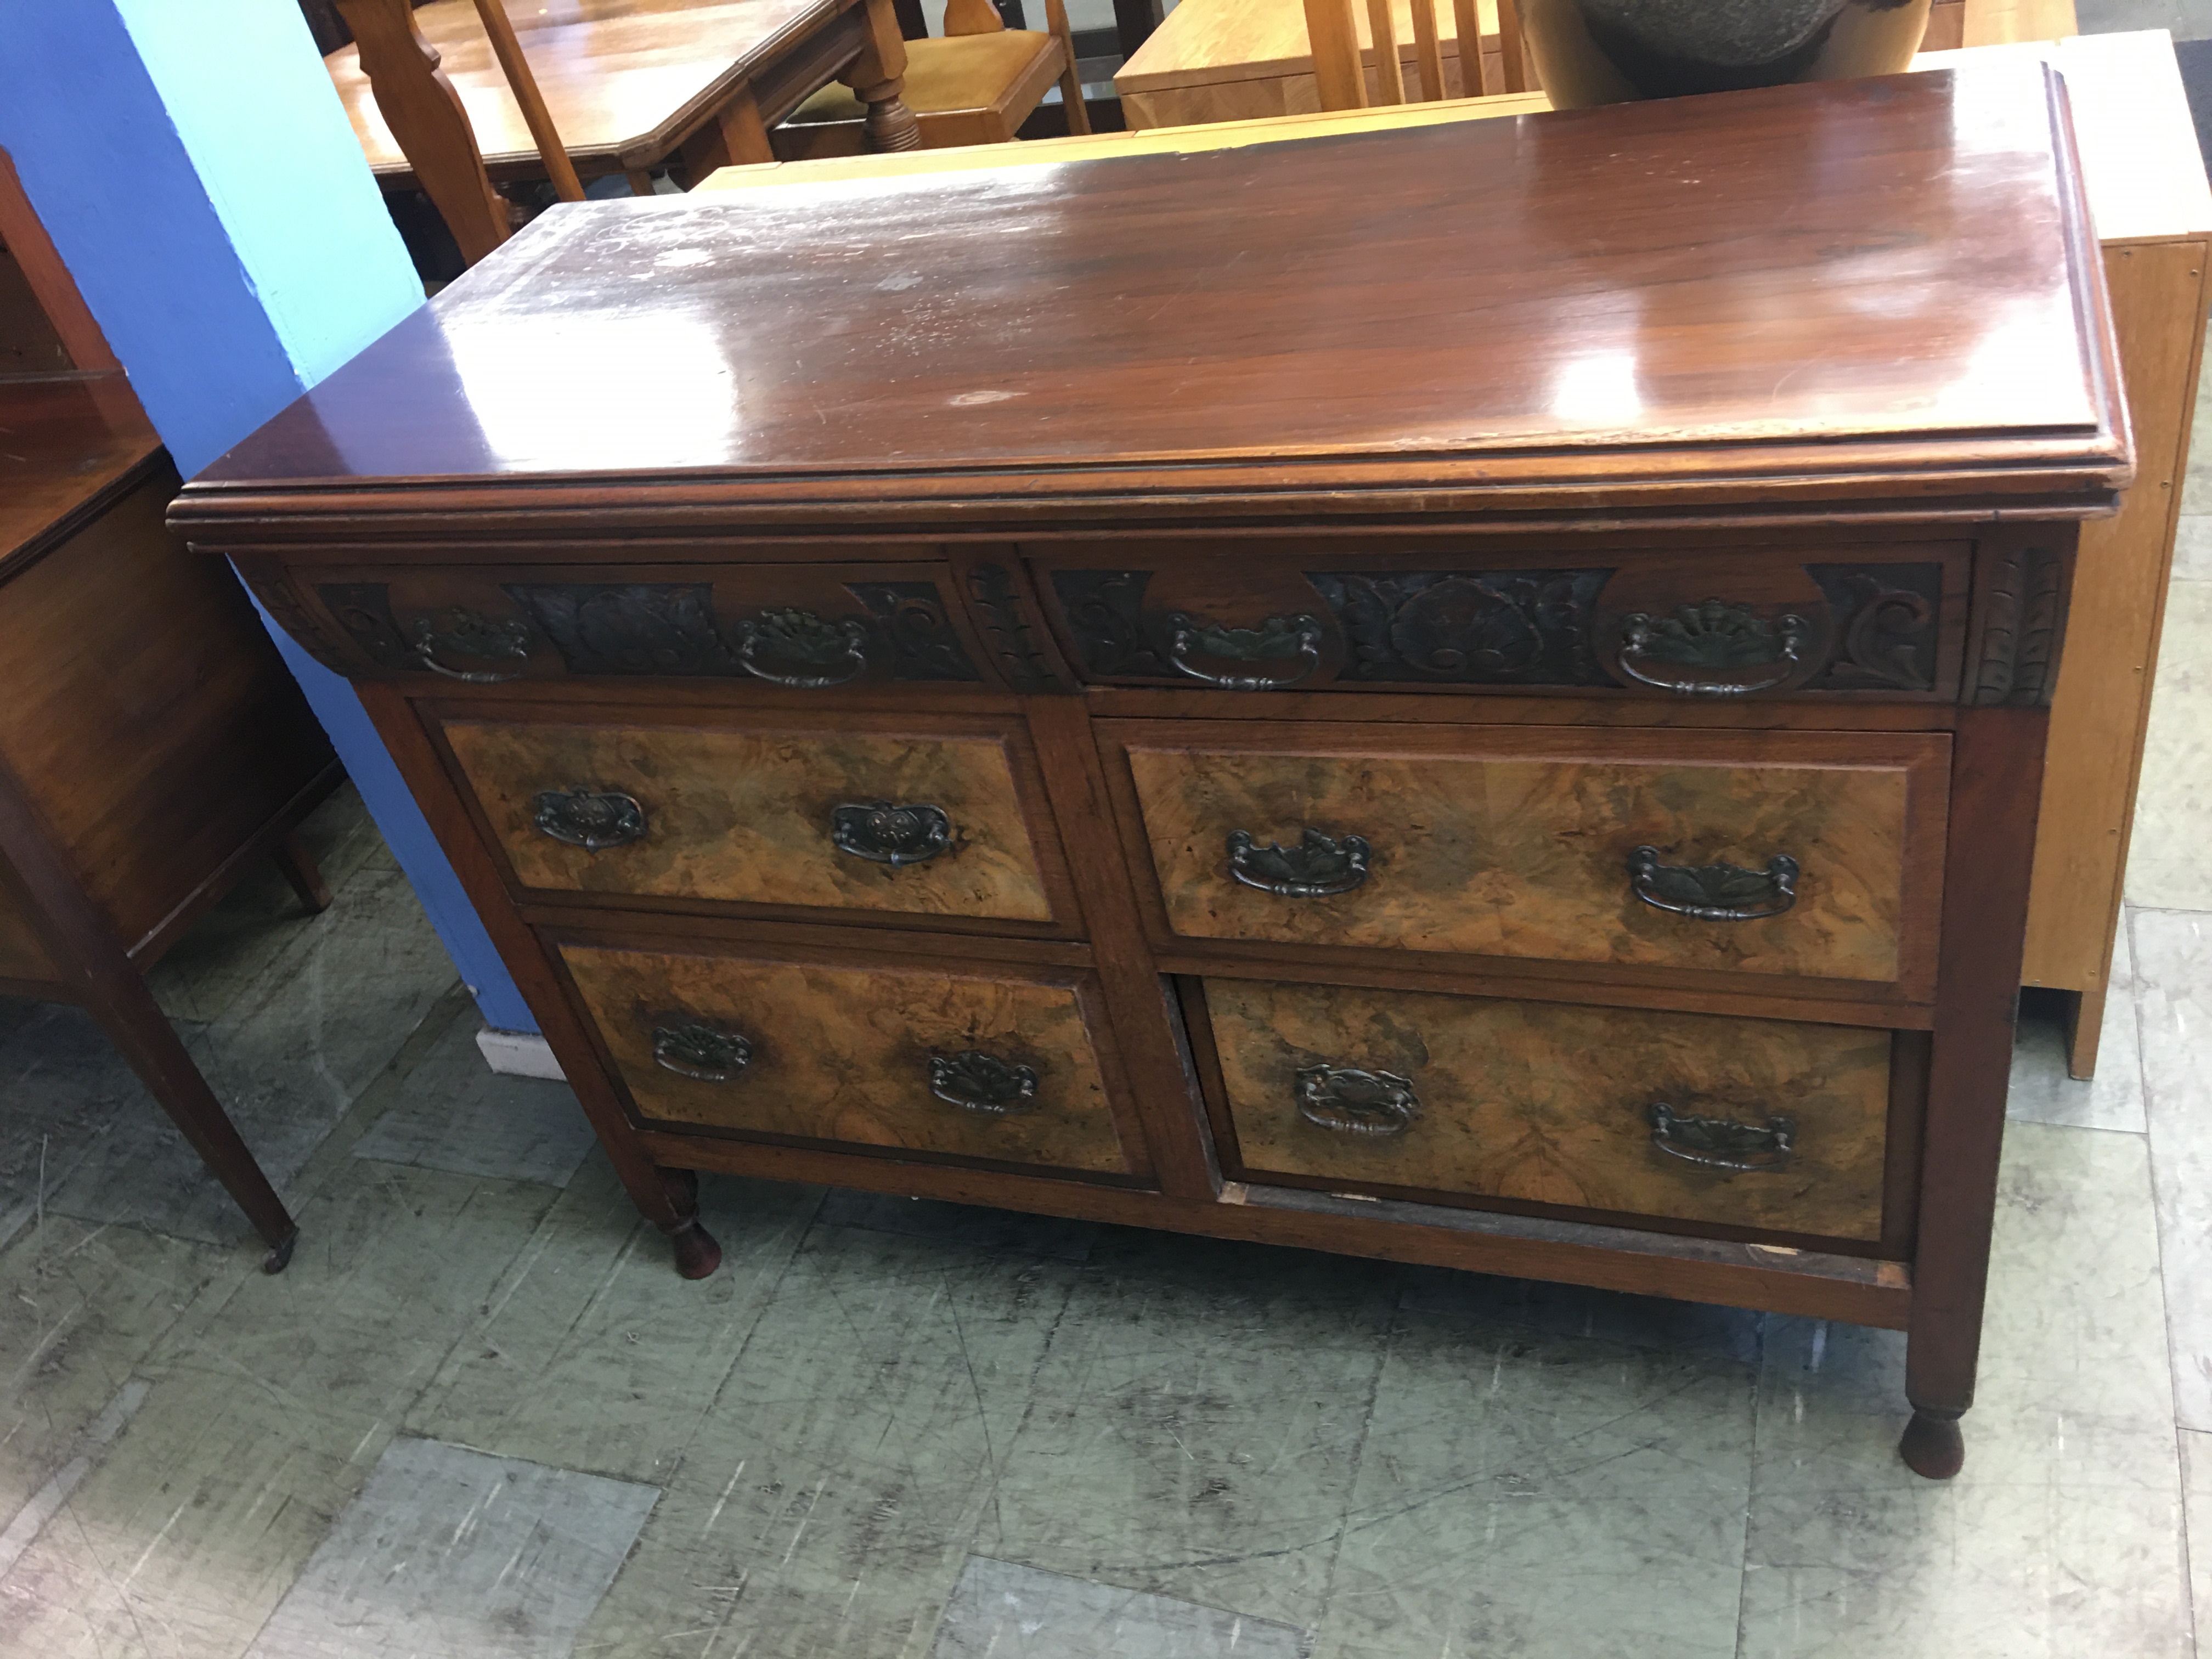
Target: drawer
{"x": 1884, "y": 619}
{"x": 1800, "y": 853}
{"x": 801, "y": 627}
{"x": 945, "y": 1059}
{"x": 1760, "y": 1124}
{"x": 867, "y": 812}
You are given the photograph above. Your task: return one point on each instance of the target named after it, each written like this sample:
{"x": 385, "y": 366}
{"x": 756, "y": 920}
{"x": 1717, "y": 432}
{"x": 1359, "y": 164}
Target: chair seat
{"x": 944, "y": 76}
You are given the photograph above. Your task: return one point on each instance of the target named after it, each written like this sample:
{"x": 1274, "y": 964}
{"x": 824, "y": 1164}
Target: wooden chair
{"x": 424, "y": 112}
{"x": 975, "y": 85}
{"x": 1344, "y": 82}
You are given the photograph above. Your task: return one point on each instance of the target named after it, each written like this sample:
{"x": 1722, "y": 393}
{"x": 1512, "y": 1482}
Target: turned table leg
{"x": 878, "y": 77}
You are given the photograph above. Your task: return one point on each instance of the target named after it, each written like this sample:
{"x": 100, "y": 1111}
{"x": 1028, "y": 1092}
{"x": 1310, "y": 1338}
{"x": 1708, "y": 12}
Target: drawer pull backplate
{"x": 1278, "y": 638}
{"x": 1319, "y": 866}
{"x": 467, "y": 634}
{"x": 1718, "y": 1144}
{"x": 1709, "y": 641}
{"x": 693, "y": 1048}
{"x": 1357, "y": 1102}
{"x": 1714, "y": 892}
{"x": 593, "y": 819}
{"x": 978, "y": 1082}
{"x": 885, "y": 834}
{"x": 794, "y": 635}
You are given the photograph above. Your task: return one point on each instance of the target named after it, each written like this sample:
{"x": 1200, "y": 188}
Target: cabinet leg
{"x": 300, "y": 869}
{"x": 1933, "y": 1446}
{"x": 697, "y": 1255}
{"x": 2085, "y": 1027}
{"x": 136, "y": 1024}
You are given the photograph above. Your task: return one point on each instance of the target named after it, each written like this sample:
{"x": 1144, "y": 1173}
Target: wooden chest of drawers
{"x": 1474, "y": 704}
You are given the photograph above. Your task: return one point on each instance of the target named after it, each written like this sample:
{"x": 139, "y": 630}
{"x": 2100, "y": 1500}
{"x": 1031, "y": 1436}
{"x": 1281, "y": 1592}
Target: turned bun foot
{"x": 280, "y": 1253}
{"x": 697, "y": 1255}
{"x": 1933, "y": 1445}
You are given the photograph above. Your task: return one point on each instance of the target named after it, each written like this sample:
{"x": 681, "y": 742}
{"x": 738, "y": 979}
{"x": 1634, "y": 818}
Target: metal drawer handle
{"x": 885, "y": 834}
{"x": 1319, "y": 866}
{"x": 1273, "y": 640}
{"x": 1714, "y": 892}
{"x": 1357, "y": 1102}
{"x": 800, "y": 636}
{"x": 470, "y": 633}
{"x": 593, "y": 819}
{"x": 693, "y": 1048}
{"x": 978, "y": 1082}
{"x": 1715, "y": 1143}
{"x": 1717, "y": 636}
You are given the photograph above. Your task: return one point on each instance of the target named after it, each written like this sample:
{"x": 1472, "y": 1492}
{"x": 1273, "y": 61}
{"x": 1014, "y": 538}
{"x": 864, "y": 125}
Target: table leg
{"x": 744, "y": 135}
{"x": 876, "y": 78}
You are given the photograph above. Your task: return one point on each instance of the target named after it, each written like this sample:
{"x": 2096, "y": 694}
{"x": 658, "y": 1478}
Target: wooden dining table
{"x": 633, "y": 86}
{"x": 1239, "y": 60}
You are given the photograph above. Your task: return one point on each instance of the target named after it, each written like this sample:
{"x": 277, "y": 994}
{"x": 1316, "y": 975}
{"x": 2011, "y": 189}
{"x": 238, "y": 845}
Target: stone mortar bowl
{"x": 1613, "y": 51}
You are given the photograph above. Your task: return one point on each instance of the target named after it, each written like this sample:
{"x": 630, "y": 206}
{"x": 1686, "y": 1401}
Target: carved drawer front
{"x": 808, "y": 628}
{"x": 1691, "y": 1117}
{"x": 864, "y": 813}
{"x": 1799, "y": 853}
{"x": 955, "y": 1062}
{"x": 1888, "y": 619}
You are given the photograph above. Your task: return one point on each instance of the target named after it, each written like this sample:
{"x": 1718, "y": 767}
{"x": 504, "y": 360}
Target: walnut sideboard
{"x": 1470, "y": 693}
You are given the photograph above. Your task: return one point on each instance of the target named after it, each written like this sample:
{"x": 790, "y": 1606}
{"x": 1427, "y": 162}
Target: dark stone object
{"x": 1611, "y": 52}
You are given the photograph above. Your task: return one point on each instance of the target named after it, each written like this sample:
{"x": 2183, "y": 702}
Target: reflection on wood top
{"x": 67, "y": 445}
{"x": 624, "y": 79}
{"x": 1819, "y": 289}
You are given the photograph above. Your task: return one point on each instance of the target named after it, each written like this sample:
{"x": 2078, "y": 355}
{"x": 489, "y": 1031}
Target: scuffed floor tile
{"x": 1002, "y": 1610}
{"x": 453, "y": 1112}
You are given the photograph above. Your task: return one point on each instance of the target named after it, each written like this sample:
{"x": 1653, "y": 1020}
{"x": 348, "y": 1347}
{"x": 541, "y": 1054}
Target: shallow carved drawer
{"x": 1760, "y": 1124}
{"x": 1888, "y": 619}
{"x": 954, "y": 1061}
{"x": 867, "y": 813}
{"x": 1797, "y": 854}
{"x": 805, "y": 628}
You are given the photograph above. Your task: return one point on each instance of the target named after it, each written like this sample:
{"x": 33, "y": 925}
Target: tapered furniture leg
{"x": 697, "y": 1255}
{"x": 1997, "y": 765}
{"x": 878, "y": 77}
{"x": 300, "y": 869}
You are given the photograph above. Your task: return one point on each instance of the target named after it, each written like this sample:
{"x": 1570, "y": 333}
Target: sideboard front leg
{"x": 697, "y": 1255}
{"x": 878, "y": 77}
{"x": 1997, "y": 775}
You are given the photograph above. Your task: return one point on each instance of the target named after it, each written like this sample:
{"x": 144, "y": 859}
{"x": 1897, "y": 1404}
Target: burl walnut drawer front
{"x": 863, "y": 813}
{"x": 1751, "y": 1123}
{"x": 1798, "y": 853}
{"x": 955, "y": 1062}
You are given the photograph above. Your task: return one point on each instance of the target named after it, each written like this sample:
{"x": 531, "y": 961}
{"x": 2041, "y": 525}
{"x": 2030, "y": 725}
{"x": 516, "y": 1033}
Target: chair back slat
{"x": 1473, "y": 74}
{"x": 524, "y": 85}
{"x": 1511, "y": 56}
{"x": 1334, "y": 42}
{"x": 1390, "y": 75}
{"x": 1342, "y": 69}
{"x": 1428, "y": 54}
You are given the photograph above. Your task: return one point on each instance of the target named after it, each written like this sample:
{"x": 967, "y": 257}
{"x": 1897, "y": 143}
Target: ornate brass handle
{"x": 1714, "y": 892}
{"x": 593, "y": 819}
{"x": 470, "y": 633}
{"x": 800, "y": 636}
{"x": 1717, "y": 1142}
{"x": 1277, "y": 638}
{"x": 1319, "y": 866}
{"x": 1357, "y": 1102}
{"x": 1710, "y": 638}
{"x": 693, "y": 1048}
{"x": 978, "y": 1082}
{"x": 885, "y": 834}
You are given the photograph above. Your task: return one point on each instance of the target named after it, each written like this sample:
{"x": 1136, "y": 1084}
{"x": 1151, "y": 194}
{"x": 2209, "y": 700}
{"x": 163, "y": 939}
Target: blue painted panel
{"x": 199, "y": 175}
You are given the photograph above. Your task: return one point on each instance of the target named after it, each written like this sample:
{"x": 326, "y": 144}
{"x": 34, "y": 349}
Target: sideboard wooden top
{"x": 69, "y": 444}
{"x": 1821, "y": 292}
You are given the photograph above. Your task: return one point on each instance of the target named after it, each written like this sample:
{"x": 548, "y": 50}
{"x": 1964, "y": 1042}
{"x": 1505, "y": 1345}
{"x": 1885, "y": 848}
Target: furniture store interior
{"x": 1105, "y": 830}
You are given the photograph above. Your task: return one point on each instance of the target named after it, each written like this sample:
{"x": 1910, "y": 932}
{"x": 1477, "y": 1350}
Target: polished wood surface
{"x": 1622, "y": 507}
{"x": 842, "y": 1052}
{"x": 1081, "y": 366}
{"x": 1225, "y": 60}
{"x": 1552, "y": 1105}
{"x": 48, "y": 300}
{"x": 748, "y": 814}
{"x": 67, "y": 451}
{"x": 1516, "y": 843}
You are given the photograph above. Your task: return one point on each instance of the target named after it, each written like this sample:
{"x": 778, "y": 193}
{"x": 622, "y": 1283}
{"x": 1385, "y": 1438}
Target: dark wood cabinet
{"x": 1422, "y": 693}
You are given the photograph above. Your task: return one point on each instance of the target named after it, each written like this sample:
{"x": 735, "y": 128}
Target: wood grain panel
{"x": 1550, "y": 1103}
{"x": 1489, "y": 841}
{"x": 743, "y": 812}
{"x": 841, "y": 1052}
